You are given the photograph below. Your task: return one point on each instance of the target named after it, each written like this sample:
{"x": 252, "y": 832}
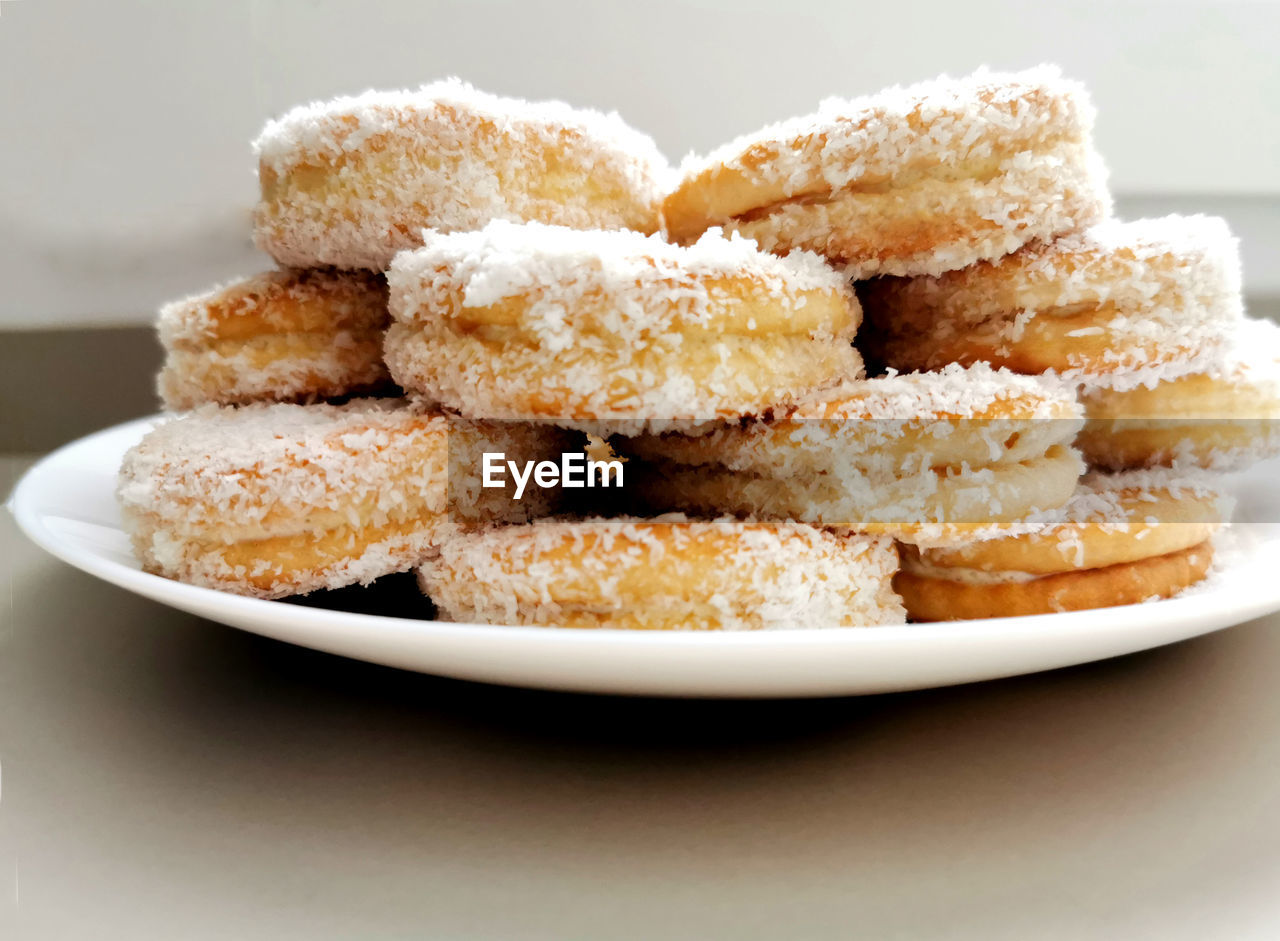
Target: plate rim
{"x": 1180, "y": 615}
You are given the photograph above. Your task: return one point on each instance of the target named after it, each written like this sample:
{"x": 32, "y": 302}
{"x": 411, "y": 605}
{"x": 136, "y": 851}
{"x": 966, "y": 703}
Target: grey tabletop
{"x": 166, "y": 777}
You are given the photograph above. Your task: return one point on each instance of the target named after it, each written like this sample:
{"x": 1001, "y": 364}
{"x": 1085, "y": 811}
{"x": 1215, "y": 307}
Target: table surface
{"x": 167, "y": 777}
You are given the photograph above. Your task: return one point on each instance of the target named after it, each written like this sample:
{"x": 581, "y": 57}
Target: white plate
{"x": 66, "y": 504}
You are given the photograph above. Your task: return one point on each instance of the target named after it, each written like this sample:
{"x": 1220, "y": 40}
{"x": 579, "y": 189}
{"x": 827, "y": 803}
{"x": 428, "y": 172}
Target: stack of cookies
{"x": 468, "y": 275}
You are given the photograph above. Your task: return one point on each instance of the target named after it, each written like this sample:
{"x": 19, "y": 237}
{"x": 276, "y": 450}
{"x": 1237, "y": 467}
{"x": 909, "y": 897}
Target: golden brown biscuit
{"x": 1225, "y": 418}
{"x": 279, "y": 336}
{"x": 1123, "y": 539}
{"x": 1121, "y": 305}
{"x": 352, "y": 181}
{"x": 928, "y": 457}
{"x": 668, "y": 573}
{"x": 910, "y": 181}
{"x": 276, "y": 500}
{"x": 1161, "y": 576}
{"x": 589, "y": 328}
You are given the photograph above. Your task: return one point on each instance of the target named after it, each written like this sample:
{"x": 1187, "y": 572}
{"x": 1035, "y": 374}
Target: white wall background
{"x": 126, "y": 176}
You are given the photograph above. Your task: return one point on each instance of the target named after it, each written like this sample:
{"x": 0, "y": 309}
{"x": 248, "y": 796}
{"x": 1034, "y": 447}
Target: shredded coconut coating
{"x": 954, "y": 391}
{"x": 909, "y": 181}
{"x": 287, "y": 301}
{"x": 1249, "y": 356}
{"x": 273, "y": 500}
{"x": 852, "y": 139}
{"x": 1112, "y": 517}
{"x": 649, "y": 279}
{"x": 351, "y": 181}
{"x": 665, "y": 573}
{"x": 1100, "y": 495}
{"x": 932, "y": 458}
{"x": 1225, "y": 418}
{"x": 1121, "y": 305}
{"x": 540, "y": 321}
{"x": 945, "y": 506}
{"x": 275, "y": 369}
{"x": 525, "y": 282}
{"x": 279, "y": 336}
{"x": 890, "y": 427}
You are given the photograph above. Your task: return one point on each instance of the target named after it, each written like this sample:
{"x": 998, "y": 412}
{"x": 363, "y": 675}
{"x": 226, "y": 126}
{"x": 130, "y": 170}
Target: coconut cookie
{"x": 1123, "y": 539}
{"x": 1224, "y": 418}
{"x": 352, "y": 181}
{"x": 534, "y": 321}
{"x": 910, "y": 181}
{"x": 1121, "y": 305}
{"x": 277, "y": 500}
{"x": 927, "y": 457}
{"x": 668, "y": 573}
{"x": 280, "y": 336}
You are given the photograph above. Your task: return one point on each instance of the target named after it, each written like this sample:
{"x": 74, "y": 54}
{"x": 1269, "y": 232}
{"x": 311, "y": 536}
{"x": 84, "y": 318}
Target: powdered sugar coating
{"x": 665, "y": 572}
{"x": 351, "y": 181}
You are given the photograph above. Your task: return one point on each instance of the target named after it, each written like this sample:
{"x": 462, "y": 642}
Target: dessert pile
{"x": 893, "y": 359}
